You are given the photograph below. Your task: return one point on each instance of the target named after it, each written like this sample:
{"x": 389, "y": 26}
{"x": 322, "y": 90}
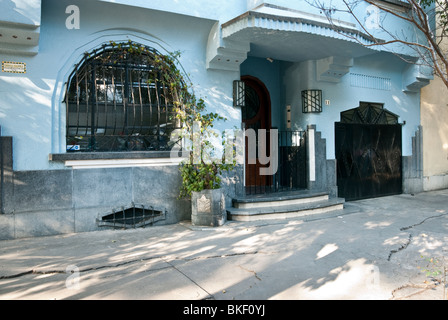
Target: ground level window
{"x": 121, "y": 97}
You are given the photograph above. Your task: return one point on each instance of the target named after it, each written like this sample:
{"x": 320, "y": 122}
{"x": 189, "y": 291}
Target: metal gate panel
{"x": 291, "y": 173}
{"x": 368, "y": 160}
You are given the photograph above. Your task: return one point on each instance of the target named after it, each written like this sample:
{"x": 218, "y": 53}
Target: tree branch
{"x": 416, "y": 15}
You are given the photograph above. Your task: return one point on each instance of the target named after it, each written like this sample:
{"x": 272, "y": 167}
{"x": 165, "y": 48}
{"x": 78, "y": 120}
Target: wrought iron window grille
{"x": 311, "y": 101}
{"x": 239, "y": 93}
{"x": 134, "y": 216}
{"x": 121, "y": 97}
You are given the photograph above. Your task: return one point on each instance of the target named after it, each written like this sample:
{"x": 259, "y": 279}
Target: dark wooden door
{"x": 256, "y": 115}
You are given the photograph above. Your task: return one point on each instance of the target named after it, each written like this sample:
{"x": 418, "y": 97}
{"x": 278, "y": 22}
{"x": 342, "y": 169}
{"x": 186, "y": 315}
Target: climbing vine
{"x": 201, "y": 169}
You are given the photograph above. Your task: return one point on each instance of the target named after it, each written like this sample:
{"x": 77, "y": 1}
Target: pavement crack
{"x": 44, "y": 272}
{"x": 404, "y": 246}
{"x": 209, "y": 295}
{"x": 117, "y": 265}
{"x": 422, "y": 288}
{"x": 218, "y": 256}
{"x": 422, "y": 222}
{"x": 251, "y": 271}
{"x": 18, "y": 275}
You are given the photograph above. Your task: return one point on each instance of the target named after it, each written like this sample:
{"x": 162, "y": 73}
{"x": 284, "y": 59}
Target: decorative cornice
{"x": 253, "y": 19}
{"x": 230, "y": 50}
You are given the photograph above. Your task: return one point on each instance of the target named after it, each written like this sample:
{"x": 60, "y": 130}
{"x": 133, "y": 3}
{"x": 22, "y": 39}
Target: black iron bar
{"x": 123, "y": 101}
{"x": 87, "y": 99}
{"x": 77, "y": 105}
{"x": 141, "y": 102}
{"x": 133, "y": 216}
{"x": 158, "y": 95}
{"x": 126, "y": 98}
{"x": 150, "y": 98}
{"x": 105, "y": 100}
{"x": 93, "y": 100}
{"x": 114, "y": 101}
{"x": 131, "y": 89}
{"x": 291, "y": 170}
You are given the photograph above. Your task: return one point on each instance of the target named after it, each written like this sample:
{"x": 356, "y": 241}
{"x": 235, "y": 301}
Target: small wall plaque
{"x": 13, "y": 67}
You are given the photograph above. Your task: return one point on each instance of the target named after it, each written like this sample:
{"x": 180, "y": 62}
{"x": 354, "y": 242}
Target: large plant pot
{"x": 208, "y": 208}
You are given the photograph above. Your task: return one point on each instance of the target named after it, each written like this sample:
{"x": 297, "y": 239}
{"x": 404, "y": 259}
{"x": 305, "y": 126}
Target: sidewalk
{"x": 373, "y": 249}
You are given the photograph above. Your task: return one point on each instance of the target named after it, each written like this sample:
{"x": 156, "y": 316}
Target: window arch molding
{"x": 122, "y": 97}
{"x": 72, "y": 55}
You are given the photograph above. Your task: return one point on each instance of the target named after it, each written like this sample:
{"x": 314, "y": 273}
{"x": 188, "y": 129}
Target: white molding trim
{"x": 122, "y": 163}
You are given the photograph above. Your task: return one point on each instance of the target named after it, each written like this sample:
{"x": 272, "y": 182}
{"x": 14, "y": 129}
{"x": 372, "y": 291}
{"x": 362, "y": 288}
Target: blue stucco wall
{"x": 60, "y": 199}
{"x": 32, "y": 113}
{"x": 31, "y": 110}
{"x": 346, "y": 94}
{"x": 286, "y": 80}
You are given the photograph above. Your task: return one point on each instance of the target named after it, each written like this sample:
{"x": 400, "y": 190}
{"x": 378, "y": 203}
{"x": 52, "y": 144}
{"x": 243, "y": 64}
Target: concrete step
{"x": 278, "y": 199}
{"x": 284, "y": 209}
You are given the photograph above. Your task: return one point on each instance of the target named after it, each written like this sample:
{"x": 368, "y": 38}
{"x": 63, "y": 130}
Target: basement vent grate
{"x": 134, "y": 216}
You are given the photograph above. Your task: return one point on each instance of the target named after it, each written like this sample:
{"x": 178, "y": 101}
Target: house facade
{"x": 86, "y": 125}
{"x": 434, "y": 115}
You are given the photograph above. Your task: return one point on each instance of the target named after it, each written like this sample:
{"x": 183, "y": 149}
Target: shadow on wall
{"x": 11, "y": 13}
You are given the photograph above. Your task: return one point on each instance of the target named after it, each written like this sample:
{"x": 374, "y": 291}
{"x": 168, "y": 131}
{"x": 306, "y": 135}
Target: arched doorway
{"x": 256, "y": 115}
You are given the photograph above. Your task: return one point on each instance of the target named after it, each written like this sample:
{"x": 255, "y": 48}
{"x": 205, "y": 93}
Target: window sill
{"x": 90, "y": 160}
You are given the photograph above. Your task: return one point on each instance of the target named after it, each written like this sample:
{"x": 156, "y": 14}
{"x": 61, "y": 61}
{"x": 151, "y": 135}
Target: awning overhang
{"x": 287, "y": 35}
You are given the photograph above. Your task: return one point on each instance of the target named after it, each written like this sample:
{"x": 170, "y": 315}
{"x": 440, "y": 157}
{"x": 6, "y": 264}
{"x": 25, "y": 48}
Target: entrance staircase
{"x": 283, "y": 205}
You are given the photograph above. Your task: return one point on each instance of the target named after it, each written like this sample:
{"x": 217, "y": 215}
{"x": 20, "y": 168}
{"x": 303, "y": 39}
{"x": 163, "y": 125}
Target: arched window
{"x": 121, "y": 97}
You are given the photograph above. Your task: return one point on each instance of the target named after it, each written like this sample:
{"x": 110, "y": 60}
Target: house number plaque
{"x": 13, "y": 67}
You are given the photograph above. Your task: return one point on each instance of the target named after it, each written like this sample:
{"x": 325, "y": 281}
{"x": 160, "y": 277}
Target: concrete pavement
{"x": 373, "y": 249}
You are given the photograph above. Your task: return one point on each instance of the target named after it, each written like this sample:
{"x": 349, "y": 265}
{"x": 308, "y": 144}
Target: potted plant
{"x": 202, "y": 169}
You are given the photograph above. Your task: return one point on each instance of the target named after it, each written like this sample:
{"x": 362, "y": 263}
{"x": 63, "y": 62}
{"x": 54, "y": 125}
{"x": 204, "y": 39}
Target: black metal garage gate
{"x": 368, "y": 157}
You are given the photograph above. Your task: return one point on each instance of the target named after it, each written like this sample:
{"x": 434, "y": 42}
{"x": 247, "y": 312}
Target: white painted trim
{"x": 312, "y": 155}
{"x": 280, "y": 203}
{"x": 292, "y": 13}
{"x": 122, "y": 163}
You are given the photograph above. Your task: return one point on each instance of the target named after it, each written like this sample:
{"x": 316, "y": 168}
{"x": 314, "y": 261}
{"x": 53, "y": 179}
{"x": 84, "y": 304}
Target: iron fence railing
{"x": 291, "y": 169}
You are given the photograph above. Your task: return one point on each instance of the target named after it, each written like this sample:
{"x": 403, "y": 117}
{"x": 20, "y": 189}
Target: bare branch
{"x": 426, "y": 43}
